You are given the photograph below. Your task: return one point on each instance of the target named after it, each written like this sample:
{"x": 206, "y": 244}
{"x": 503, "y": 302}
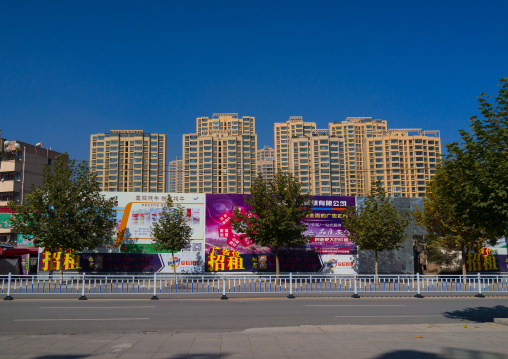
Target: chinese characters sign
{"x": 121, "y": 262}
{"x": 53, "y": 261}
{"x": 490, "y": 259}
{"x": 328, "y": 243}
{"x": 325, "y": 225}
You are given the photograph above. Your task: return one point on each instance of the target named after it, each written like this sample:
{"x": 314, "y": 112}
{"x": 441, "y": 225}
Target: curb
{"x": 503, "y": 321}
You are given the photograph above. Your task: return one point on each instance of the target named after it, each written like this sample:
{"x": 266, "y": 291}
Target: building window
{"x": 9, "y": 196}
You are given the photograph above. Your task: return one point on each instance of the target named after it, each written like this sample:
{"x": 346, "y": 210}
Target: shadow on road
{"x": 413, "y": 354}
{"x": 449, "y": 353}
{"x": 479, "y": 314}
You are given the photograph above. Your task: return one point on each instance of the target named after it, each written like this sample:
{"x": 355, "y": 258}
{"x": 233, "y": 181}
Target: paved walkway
{"x": 450, "y": 341}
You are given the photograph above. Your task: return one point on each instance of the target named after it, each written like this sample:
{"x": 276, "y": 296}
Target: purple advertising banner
{"x": 227, "y": 250}
{"x": 325, "y": 225}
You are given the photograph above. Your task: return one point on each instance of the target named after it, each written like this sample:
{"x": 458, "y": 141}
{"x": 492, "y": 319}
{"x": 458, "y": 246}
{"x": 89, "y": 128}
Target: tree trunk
{"x": 62, "y": 256}
{"x": 277, "y": 265}
{"x": 375, "y": 266}
{"x": 463, "y": 261}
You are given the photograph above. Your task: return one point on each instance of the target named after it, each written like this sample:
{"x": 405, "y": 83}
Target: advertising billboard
{"x": 132, "y": 249}
{"x": 328, "y": 251}
{"x": 137, "y": 211}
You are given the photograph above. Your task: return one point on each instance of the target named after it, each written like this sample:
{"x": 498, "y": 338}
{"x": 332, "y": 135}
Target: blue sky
{"x": 69, "y": 69}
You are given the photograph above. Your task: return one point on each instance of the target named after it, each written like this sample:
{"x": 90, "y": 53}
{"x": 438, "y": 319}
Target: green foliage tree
{"x": 477, "y": 169}
{"x": 444, "y": 227}
{"x": 376, "y": 224}
{"x": 67, "y": 212}
{"x": 277, "y": 217}
{"x": 171, "y": 232}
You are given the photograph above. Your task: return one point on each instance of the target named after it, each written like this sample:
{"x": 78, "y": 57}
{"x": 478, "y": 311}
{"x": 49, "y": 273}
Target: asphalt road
{"x": 70, "y": 316}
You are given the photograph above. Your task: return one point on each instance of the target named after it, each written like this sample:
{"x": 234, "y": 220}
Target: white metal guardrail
{"x": 224, "y": 284}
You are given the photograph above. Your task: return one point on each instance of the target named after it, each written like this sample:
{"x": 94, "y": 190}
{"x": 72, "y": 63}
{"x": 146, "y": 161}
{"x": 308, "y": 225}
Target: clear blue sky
{"x": 69, "y": 69}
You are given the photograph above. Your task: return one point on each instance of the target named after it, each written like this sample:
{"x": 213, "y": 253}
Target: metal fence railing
{"x": 227, "y": 284}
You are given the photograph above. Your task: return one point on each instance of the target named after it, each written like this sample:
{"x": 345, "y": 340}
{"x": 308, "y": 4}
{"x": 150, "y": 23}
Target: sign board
{"x": 489, "y": 259}
{"x": 134, "y": 247}
{"x": 4, "y": 220}
{"x": 25, "y": 241}
{"x": 328, "y": 251}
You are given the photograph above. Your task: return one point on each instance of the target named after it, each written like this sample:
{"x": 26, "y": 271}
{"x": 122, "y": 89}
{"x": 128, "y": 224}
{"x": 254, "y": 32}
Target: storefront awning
{"x": 15, "y": 252}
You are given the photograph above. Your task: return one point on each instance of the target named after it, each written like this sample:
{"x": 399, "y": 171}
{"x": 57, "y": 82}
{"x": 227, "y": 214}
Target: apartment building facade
{"x": 403, "y": 160}
{"x": 175, "y": 175}
{"x": 340, "y": 160}
{"x": 355, "y": 131}
{"x": 21, "y": 167}
{"x": 265, "y": 162}
{"x": 221, "y": 156}
{"x": 129, "y": 161}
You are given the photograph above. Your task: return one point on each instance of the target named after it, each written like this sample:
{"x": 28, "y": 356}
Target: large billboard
{"x": 328, "y": 251}
{"x": 136, "y": 212}
{"x": 214, "y": 247}
{"x": 132, "y": 249}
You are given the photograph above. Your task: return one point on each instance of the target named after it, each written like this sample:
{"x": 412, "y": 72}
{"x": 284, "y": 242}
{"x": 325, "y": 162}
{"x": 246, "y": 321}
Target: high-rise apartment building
{"x": 348, "y": 157}
{"x": 175, "y": 175}
{"x": 354, "y": 132}
{"x": 265, "y": 162}
{"x": 403, "y": 160}
{"x": 221, "y": 156}
{"x": 285, "y": 131}
{"x": 129, "y": 161}
{"x": 314, "y": 156}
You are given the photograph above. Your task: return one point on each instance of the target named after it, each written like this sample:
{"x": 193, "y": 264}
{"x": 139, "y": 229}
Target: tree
{"x": 477, "y": 169}
{"x": 376, "y": 224}
{"x": 67, "y": 212}
{"x": 170, "y": 232}
{"x": 277, "y": 217}
{"x": 444, "y": 227}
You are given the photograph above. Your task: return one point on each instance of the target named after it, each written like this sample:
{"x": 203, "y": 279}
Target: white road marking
{"x": 119, "y": 347}
{"x": 68, "y": 319}
{"x": 138, "y": 306}
{"x": 387, "y": 316}
{"x": 359, "y": 305}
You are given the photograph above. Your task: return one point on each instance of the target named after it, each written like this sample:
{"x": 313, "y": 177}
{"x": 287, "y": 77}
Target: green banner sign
{"x": 25, "y": 241}
{"x": 4, "y": 220}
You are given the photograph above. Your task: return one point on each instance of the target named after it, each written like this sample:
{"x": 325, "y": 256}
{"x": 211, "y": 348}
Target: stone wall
{"x": 396, "y": 261}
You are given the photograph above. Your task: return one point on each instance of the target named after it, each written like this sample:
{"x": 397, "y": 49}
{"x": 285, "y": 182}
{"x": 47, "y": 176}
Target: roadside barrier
{"x": 228, "y": 284}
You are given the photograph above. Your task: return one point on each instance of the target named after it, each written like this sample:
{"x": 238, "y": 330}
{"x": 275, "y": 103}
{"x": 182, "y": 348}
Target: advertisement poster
{"x": 490, "y": 259}
{"x": 136, "y": 212}
{"x": 132, "y": 249}
{"x": 325, "y": 225}
{"x": 328, "y": 251}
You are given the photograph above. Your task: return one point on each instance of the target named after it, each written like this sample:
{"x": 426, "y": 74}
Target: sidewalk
{"x": 450, "y": 341}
